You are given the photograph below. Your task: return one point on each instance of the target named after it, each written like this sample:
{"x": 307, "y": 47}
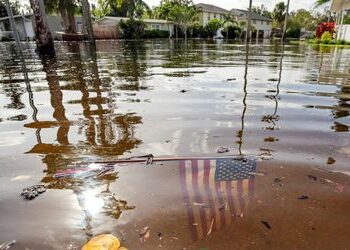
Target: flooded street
{"x": 287, "y": 108}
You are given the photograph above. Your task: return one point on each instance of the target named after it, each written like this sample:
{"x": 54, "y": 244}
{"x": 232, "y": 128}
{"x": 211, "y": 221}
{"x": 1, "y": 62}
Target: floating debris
{"x": 32, "y": 192}
{"x": 303, "y": 197}
{"x": 223, "y": 207}
{"x": 159, "y": 234}
{"x": 312, "y": 177}
{"x": 278, "y": 180}
{"x": 183, "y": 91}
{"x": 231, "y": 79}
{"x": 211, "y": 227}
{"x": 330, "y": 161}
{"x": 103, "y": 242}
{"x": 144, "y": 234}
{"x": 327, "y": 181}
{"x": 222, "y": 149}
{"x": 266, "y": 224}
{"x": 7, "y": 245}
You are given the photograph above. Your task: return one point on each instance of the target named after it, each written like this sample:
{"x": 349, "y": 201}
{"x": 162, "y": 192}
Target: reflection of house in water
{"x": 216, "y": 192}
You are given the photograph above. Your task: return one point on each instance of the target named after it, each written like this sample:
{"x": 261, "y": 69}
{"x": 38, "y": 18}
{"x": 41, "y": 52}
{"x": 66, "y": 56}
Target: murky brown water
{"x": 289, "y": 107}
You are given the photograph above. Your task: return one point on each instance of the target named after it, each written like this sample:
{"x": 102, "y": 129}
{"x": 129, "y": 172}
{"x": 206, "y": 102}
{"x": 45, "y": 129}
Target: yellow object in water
{"x": 103, "y": 242}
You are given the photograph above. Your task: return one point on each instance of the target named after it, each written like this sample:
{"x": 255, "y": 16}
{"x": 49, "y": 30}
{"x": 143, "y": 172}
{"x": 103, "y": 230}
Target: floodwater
{"x": 287, "y": 107}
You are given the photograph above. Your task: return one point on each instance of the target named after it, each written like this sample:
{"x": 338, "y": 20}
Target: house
{"x": 261, "y": 24}
{"x": 340, "y": 7}
{"x": 106, "y": 27}
{"x": 209, "y": 11}
{"x": 56, "y": 26}
{"x": 23, "y": 25}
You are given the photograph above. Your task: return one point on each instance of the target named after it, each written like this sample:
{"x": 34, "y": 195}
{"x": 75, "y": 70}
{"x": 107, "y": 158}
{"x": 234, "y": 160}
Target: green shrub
{"x": 156, "y": 34}
{"x": 233, "y": 32}
{"x": 341, "y": 42}
{"x": 200, "y": 32}
{"x": 213, "y": 25}
{"x": 132, "y": 28}
{"x": 293, "y": 32}
{"x": 333, "y": 41}
{"x": 326, "y": 37}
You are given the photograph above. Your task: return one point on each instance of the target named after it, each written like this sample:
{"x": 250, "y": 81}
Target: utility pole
{"x": 249, "y": 21}
{"x": 87, "y": 20}
{"x": 285, "y": 21}
{"x": 43, "y": 36}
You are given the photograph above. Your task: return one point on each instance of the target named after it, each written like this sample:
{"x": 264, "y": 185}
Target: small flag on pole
{"x": 215, "y": 191}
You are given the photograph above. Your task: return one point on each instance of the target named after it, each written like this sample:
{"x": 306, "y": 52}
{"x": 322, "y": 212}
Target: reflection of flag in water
{"x": 215, "y": 191}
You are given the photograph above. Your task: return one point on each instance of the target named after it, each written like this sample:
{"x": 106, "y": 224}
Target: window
{"x": 214, "y": 15}
{"x": 155, "y": 26}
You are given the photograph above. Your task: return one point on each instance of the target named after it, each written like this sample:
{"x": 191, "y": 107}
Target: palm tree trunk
{"x": 64, "y": 17}
{"x": 43, "y": 36}
{"x": 72, "y": 25}
{"x": 87, "y": 20}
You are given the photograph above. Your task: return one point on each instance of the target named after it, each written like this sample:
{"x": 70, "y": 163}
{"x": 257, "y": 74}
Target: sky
{"x": 243, "y": 4}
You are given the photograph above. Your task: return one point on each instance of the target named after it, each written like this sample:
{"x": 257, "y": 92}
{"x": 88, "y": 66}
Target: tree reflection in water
{"x": 107, "y": 134}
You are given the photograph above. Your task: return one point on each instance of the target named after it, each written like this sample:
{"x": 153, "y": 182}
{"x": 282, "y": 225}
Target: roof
{"x": 16, "y": 16}
{"x": 211, "y": 8}
{"x": 255, "y": 16}
{"x": 339, "y": 5}
{"x": 118, "y": 19}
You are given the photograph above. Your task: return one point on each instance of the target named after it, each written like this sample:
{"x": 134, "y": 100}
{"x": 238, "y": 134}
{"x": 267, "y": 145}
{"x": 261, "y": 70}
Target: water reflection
{"x": 216, "y": 192}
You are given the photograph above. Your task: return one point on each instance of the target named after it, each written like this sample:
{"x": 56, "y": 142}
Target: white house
{"x": 23, "y": 25}
{"x": 209, "y": 11}
{"x": 262, "y": 24}
{"x": 106, "y": 27}
{"x": 343, "y": 30}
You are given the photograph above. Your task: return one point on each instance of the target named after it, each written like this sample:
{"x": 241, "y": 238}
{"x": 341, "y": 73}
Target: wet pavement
{"x": 285, "y": 106}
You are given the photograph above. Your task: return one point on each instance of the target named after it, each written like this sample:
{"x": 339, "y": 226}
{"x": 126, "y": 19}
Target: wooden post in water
{"x": 249, "y": 21}
{"x": 87, "y": 20}
{"x": 43, "y": 36}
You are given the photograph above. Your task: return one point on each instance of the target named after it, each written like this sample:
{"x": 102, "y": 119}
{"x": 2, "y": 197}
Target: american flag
{"x": 215, "y": 191}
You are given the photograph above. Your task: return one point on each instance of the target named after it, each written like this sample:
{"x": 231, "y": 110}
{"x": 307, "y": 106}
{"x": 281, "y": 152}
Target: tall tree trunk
{"x": 43, "y": 36}
{"x": 71, "y": 20}
{"x": 87, "y": 20}
{"x": 63, "y": 13}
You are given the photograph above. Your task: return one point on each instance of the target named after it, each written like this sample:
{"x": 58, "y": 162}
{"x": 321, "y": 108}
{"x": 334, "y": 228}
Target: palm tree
{"x": 229, "y": 22}
{"x": 44, "y": 40}
{"x": 183, "y": 16}
{"x": 123, "y": 8}
{"x": 321, "y": 2}
{"x": 85, "y": 6}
